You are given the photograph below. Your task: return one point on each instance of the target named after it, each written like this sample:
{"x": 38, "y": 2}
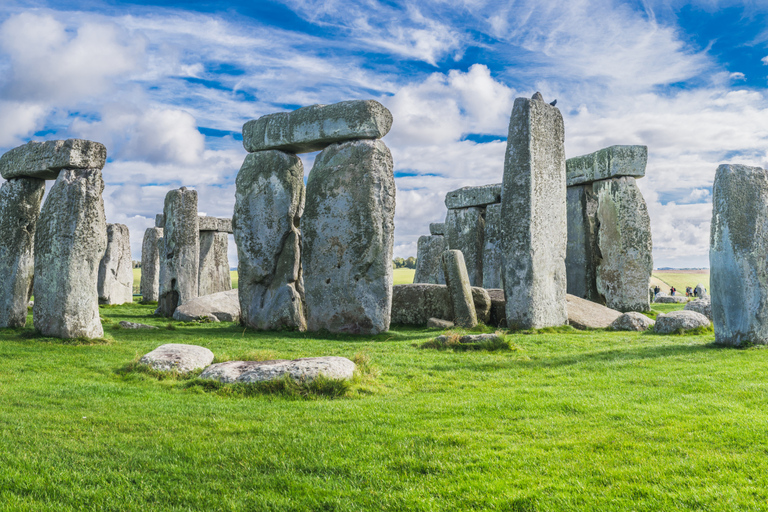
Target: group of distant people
{"x": 689, "y": 291}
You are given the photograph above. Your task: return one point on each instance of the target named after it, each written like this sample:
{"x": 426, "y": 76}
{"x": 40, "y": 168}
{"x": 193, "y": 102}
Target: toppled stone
{"x": 20, "y": 200}
{"x": 213, "y": 273}
{"x": 460, "y": 292}
{"x": 737, "y": 255}
{"x": 703, "y": 306}
{"x": 181, "y": 257}
{"x": 582, "y": 255}
{"x": 217, "y": 307}
{"x": 493, "y": 252}
{"x": 610, "y": 162}
{"x": 269, "y": 202}
{"x": 473, "y": 196}
{"x": 134, "y": 325}
{"x": 44, "y": 160}
{"x": 671, "y": 299}
{"x": 675, "y": 320}
{"x": 348, "y": 237}
{"x": 437, "y": 228}
{"x": 429, "y": 266}
{"x": 70, "y": 239}
{"x": 632, "y": 321}
{"x": 415, "y": 304}
{"x": 465, "y": 229}
{"x": 437, "y": 323}
{"x": 533, "y": 213}
{"x": 304, "y": 370}
{"x": 178, "y": 357}
{"x": 315, "y": 127}
{"x": 116, "y": 267}
{"x": 150, "y": 265}
{"x": 583, "y": 314}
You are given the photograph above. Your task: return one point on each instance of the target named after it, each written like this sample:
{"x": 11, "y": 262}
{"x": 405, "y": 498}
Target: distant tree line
{"x": 404, "y": 263}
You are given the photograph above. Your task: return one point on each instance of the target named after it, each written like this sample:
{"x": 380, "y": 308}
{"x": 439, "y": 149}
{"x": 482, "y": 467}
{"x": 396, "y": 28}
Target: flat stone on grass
{"x": 305, "y": 369}
{"x": 216, "y": 307}
{"x": 584, "y": 314}
{"x": 703, "y": 306}
{"x": 632, "y": 321}
{"x": 437, "y": 323}
{"x": 676, "y": 320}
{"x": 178, "y": 357}
{"x": 133, "y": 325}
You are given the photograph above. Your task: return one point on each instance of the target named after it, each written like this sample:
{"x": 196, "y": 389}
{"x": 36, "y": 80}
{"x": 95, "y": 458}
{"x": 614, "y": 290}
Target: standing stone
{"x": 493, "y": 252}
{"x": 20, "y": 200}
{"x": 533, "y": 211}
{"x": 738, "y": 255}
{"x": 624, "y": 240}
{"x": 70, "y": 239}
{"x": 269, "y": 202}
{"x": 150, "y": 265}
{"x": 181, "y": 236}
{"x": 214, "y": 276}
{"x": 429, "y": 266}
{"x": 116, "y": 267}
{"x": 465, "y": 230}
{"x": 457, "y": 280}
{"x": 348, "y": 229}
{"x": 582, "y": 254}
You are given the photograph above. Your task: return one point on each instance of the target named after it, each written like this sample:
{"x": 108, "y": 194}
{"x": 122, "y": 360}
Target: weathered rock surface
{"x": 116, "y": 267}
{"x": 582, "y": 255}
{"x": 632, "y": 321}
{"x": 437, "y": 228}
{"x": 44, "y": 160}
{"x": 498, "y": 313}
{"x": 429, "y": 266}
{"x": 674, "y": 320}
{"x": 159, "y": 220}
{"x": 700, "y": 291}
{"x": 703, "y": 306}
{"x": 737, "y": 255}
{"x": 493, "y": 255}
{"x": 465, "y": 230}
{"x": 459, "y": 290}
{"x": 610, "y": 162}
{"x": 269, "y": 202}
{"x": 471, "y": 339}
{"x": 671, "y": 299}
{"x": 70, "y": 239}
{"x": 624, "y": 240}
{"x": 304, "y": 370}
{"x": 437, "y": 323}
{"x": 482, "y": 301}
{"x": 473, "y": 196}
{"x": 134, "y": 325}
{"x": 178, "y": 357}
{"x": 213, "y": 274}
{"x": 20, "y": 200}
{"x": 415, "y": 304}
{"x": 217, "y": 307}
{"x": 181, "y": 259}
{"x": 348, "y": 230}
{"x": 533, "y": 213}
{"x": 149, "y": 286}
{"x": 213, "y": 223}
{"x": 583, "y": 314}
{"x": 315, "y": 127}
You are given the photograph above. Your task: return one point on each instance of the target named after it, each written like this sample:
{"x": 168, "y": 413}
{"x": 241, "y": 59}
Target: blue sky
{"x": 168, "y": 85}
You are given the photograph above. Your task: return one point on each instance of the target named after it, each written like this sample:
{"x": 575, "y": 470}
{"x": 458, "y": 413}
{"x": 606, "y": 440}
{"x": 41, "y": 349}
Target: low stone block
{"x": 459, "y": 290}
{"x": 217, "y": 307}
{"x": 473, "y": 196}
{"x": 178, "y": 357}
{"x": 44, "y": 160}
{"x": 415, "y": 304}
{"x": 584, "y": 314}
{"x": 632, "y": 321}
{"x": 437, "y": 228}
{"x": 303, "y": 370}
{"x": 436, "y": 323}
{"x": 703, "y": 306}
{"x": 676, "y": 320}
{"x": 610, "y": 162}
{"x": 671, "y": 299}
{"x": 133, "y": 325}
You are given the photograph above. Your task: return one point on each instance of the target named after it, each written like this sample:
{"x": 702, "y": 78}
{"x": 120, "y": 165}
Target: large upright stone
{"x": 315, "y": 127}
{"x": 70, "y": 240}
{"x": 150, "y": 265}
{"x": 610, "y": 162}
{"x": 738, "y": 255}
{"x": 624, "y": 240}
{"x": 473, "y": 196}
{"x": 116, "y": 267}
{"x": 429, "y": 265}
{"x": 493, "y": 252}
{"x": 348, "y": 229}
{"x": 533, "y": 211}
{"x": 44, "y": 160}
{"x": 181, "y": 242}
{"x": 269, "y": 201}
{"x": 460, "y": 291}
{"x": 465, "y": 230}
{"x": 582, "y": 255}
{"x": 20, "y": 200}
{"x": 213, "y": 275}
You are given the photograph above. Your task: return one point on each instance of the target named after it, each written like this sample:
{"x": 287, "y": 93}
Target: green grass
{"x": 681, "y": 280}
{"x": 403, "y": 275}
{"x": 568, "y": 420}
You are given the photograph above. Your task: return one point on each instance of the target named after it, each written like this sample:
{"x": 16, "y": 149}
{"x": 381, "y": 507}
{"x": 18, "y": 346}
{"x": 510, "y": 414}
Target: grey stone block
{"x": 150, "y": 265}
{"x": 116, "y": 267}
{"x": 178, "y": 357}
{"x": 493, "y": 252}
{"x": 429, "y": 266}
{"x": 610, "y": 162}
{"x": 415, "y": 304}
{"x": 582, "y": 255}
{"x": 44, "y": 160}
{"x": 315, "y": 127}
{"x": 213, "y": 274}
{"x": 159, "y": 220}
{"x": 473, "y": 196}
{"x": 437, "y": 228}
{"x": 465, "y": 231}
{"x": 679, "y": 320}
{"x": 457, "y": 281}
{"x": 216, "y": 307}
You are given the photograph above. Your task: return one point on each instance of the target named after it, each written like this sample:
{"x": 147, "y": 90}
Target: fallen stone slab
{"x": 584, "y": 314}
{"x": 44, "y": 160}
{"x": 675, "y": 320}
{"x": 703, "y": 306}
{"x": 178, "y": 357}
{"x": 437, "y": 323}
{"x": 671, "y": 299}
{"x": 473, "y": 196}
{"x": 470, "y": 339}
{"x": 437, "y": 228}
{"x": 315, "y": 127}
{"x": 306, "y": 369}
{"x": 134, "y": 325}
{"x": 217, "y": 307}
{"x": 632, "y": 321}
{"x": 415, "y": 304}
{"x": 610, "y": 162}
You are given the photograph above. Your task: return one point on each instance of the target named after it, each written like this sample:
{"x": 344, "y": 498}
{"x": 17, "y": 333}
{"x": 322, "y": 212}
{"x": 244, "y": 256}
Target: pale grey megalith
{"x": 150, "y": 265}
{"x": 116, "y": 267}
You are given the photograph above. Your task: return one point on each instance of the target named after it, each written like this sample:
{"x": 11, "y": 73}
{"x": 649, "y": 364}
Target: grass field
{"x": 681, "y": 278}
{"x": 567, "y": 421}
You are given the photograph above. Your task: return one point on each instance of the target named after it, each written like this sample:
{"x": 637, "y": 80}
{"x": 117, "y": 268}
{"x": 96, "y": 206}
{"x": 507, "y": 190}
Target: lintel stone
{"x": 610, "y": 162}
{"x": 44, "y": 160}
{"x": 473, "y": 196}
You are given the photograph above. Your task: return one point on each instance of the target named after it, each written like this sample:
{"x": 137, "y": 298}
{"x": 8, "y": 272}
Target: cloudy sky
{"x": 167, "y": 86}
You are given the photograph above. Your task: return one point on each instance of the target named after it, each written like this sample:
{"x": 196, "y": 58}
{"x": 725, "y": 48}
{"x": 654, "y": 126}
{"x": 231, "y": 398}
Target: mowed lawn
{"x": 682, "y": 278}
{"x": 567, "y": 421}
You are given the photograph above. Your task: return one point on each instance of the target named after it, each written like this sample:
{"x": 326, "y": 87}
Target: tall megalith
{"x": 465, "y": 230}
{"x": 429, "y": 253}
{"x": 150, "y": 265}
{"x": 116, "y": 267}
{"x": 493, "y": 252}
{"x": 533, "y": 210}
{"x": 213, "y": 275}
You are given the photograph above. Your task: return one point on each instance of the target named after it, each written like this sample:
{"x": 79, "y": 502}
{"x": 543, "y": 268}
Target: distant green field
{"x": 403, "y": 276}
{"x": 681, "y": 279}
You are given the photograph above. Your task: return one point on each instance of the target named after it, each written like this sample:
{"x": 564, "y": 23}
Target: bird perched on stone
{"x": 554, "y": 103}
